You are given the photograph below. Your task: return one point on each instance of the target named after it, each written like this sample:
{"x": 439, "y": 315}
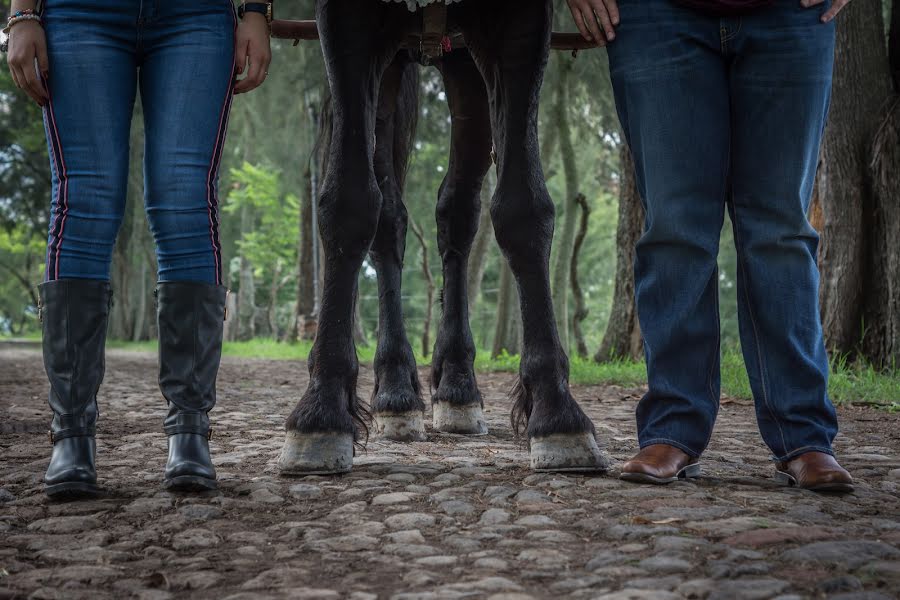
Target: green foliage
{"x": 272, "y": 244}
{"x": 21, "y": 267}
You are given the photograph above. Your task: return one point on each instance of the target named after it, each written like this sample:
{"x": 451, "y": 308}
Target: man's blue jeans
{"x": 181, "y": 55}
{"x": 727, "y": 112}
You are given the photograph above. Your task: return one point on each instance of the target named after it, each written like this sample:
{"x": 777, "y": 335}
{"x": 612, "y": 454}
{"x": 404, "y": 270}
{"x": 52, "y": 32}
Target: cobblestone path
{"x": 453, "y": 517}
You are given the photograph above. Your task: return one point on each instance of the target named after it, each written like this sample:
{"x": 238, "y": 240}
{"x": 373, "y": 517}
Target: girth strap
{"x": 434, "y": 30}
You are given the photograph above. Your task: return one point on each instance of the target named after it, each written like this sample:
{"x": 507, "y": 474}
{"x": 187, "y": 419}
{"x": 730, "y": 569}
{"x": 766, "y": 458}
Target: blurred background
{"x": 272, "y": 165}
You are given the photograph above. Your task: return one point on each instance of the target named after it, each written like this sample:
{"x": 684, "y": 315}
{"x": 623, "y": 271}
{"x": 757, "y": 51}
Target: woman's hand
{"x": 831, "y": 13}
{"x": 252, "y": 52}
{"x": 27, "y": 43}
{"x": 595, "y": 19}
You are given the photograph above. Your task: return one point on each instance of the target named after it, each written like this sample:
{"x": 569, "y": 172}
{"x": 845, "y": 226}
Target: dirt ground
{"x": 452, "y": 517}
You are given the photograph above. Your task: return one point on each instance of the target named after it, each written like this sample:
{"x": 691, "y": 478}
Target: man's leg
{"x": 671, "y": 94}
{"x": 780, "y": 86}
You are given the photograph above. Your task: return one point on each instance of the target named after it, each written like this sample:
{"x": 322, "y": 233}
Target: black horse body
{"x": 492, "y": 87}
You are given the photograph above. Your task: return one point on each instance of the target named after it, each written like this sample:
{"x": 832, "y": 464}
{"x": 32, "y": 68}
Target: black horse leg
{"x": 397, "y": 405}
{"x": 510, "y": 41}
{"x": 456, "y": 400}
{"x": 359, "y": 39}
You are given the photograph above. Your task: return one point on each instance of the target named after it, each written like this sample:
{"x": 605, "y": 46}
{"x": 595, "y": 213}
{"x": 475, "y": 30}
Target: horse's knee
{"x": 348, "y": 215}
{"x": 522, "y": 213}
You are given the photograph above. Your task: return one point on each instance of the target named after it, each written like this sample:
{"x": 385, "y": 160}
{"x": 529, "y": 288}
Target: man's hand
{"x": 832, "y": 12}
{"x": 252, "y": 48}
{"x": 27, "y": 43}
{"x": 596, "y": 19}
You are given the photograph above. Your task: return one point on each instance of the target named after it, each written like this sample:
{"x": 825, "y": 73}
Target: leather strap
{"x": 434, "y": 29}
{"x": 62, "y": 434}
{"x": 197, "y": 423}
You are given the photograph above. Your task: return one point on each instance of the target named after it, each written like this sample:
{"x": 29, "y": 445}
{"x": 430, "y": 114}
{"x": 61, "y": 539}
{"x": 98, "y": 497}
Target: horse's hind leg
{"x": 509, "y": 41}
{"x": 397, "y": 405}
{"x": 456, "y": 400}
{"x": 359, "y": 39}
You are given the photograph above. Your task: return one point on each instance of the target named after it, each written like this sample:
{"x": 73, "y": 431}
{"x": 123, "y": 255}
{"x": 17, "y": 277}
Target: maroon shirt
{"x": 725, "y": 7}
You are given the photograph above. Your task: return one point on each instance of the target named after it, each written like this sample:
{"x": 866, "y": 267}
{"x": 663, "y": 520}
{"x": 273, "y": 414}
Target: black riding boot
{"x": 191, "y": 318}
{"x": 74, "y": 316}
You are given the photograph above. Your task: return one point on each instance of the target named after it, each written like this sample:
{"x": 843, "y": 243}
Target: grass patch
{"x": 850, "y": 383}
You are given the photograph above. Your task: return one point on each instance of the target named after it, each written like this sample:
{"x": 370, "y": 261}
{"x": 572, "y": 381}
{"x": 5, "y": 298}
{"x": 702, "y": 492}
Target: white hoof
{"x": 316, "y": 453}
{"x": 401, "y": 427}
{"x": 567, "y": 452}
{"x": 468, "y": 419}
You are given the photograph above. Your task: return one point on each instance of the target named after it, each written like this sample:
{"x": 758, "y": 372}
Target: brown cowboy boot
{"x": 659, "y": 464}
{"x": 816, "y": 471}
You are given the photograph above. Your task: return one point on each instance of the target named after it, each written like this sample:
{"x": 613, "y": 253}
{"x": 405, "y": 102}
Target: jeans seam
{"x": 764, "y": 380}
{"x": 670, "y": 442}
{"x": 802, "y": 450}
{"x": 731, "y": 36}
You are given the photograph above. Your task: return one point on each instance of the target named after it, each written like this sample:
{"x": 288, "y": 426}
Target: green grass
{"x": 850, "y": 383}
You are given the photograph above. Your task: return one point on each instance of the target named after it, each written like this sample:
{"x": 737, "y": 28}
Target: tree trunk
{"x": 882, "y": 311}
{"x": 565, "y": 240}
{"x": 581, "y": 311}
{"x": 305, "y": 317}
{"x": 429, "y": 286}
{"x": 482, "y": 243}
{"x": 623, "y": 332}
{"x": 506, "y": 334}
{"x": 359, "y": 332}
{"x": 246, "y": 300}
{"x": 861, "y": 86}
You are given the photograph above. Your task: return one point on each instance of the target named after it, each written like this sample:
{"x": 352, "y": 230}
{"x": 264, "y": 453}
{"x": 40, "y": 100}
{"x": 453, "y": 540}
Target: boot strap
{"x": 55, "y": 436}
{"x": 176, "y": 429}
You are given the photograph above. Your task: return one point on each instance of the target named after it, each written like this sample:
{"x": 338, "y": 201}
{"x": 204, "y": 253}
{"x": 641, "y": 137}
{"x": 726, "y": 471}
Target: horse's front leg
{"x": 358, "y": 39}
{"x": 397, "y": 404}
{"x": 510, "y": 41}
{"x": 456, "y": 399}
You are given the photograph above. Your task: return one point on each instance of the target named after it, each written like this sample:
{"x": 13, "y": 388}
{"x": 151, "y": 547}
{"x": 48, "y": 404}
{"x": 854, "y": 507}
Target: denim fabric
{"x": 727, "y": 112}
{"x": 181, "y": 57}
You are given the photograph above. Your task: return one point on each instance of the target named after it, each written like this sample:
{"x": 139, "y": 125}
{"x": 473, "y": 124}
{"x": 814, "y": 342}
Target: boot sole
{"x": 190, "y": 483}
{"x": 72, "y": 490}
{"x": 788, "y": 480}
{"x": 691, "y": 471}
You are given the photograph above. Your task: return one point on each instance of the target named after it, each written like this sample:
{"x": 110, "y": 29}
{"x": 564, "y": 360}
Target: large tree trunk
{"x": 565, "y": 239}
{"x": 305, "y": 325}
{"x": 429, "y": 286}
{"x": 307, "y": 265}
{"x": 482, "y": 243}
{"x": 882, "y": 310}
{"x": 246, "y": 300}
{"x": 861, "y": 86}
{"x": 506, "y": 334}
{"x": 581, "y": 311}
{"x": 623, "y": 331}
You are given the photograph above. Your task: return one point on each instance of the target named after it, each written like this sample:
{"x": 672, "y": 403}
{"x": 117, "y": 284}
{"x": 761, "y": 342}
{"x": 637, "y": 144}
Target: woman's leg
{"x": 92, "y": 85}
{"x": 187, "y": 75}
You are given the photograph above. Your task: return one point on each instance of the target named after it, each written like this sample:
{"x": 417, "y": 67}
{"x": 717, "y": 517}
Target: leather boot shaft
{"x": 191, "y": 323}
{"x": 74, "y": 317}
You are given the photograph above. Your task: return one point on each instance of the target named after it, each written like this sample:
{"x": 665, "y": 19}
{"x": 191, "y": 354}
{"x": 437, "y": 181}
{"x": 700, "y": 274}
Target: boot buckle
{"x": 50, "y": 435}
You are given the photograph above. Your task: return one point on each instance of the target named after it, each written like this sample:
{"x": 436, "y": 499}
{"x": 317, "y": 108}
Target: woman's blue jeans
{"x": 727, "y": 112}
{"x": 181, "y": 56}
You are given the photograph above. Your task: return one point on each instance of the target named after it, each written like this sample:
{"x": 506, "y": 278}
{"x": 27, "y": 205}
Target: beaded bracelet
{"x": 22, "y": 15}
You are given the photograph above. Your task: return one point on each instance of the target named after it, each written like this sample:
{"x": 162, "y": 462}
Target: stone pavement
{"x": 453, "y": 517}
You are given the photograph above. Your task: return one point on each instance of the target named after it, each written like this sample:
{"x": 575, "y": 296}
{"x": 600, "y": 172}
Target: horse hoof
{"x": 567, "y": 452}
{"x": 316, "y": 453}
{"x": 401, "y": 426}
{"x": 468, "y": 419}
